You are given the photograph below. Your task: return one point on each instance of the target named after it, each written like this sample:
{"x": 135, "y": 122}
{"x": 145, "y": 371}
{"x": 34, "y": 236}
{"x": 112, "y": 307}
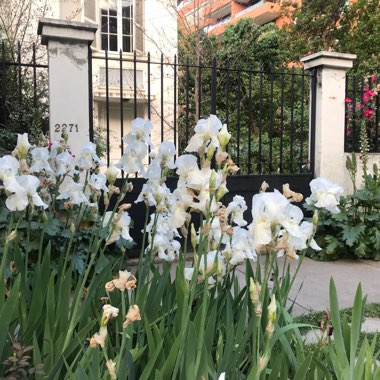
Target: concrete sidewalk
{"x": 311, "y": 287}
{"x": 310, "y": 291}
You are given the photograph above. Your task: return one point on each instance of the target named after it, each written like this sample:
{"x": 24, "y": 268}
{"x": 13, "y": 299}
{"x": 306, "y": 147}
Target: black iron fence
{"x": 266, "y": 110}
{"x": 23, "y": 94}
{"x": 362, "y": 113}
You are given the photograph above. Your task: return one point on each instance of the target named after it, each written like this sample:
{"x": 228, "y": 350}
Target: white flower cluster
{"x": 325, "y": 194}
{"x": 32, "y": 175}
{"x": 40, "y": 176}
{"x": 224, "y": 237}
{"x": 136, "y": 145}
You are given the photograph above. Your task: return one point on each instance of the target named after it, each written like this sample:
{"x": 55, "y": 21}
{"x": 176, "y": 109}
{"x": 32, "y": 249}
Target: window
{"x": 120, "y": 23}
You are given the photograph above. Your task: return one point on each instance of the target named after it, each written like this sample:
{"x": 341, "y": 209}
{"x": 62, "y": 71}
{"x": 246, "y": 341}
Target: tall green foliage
{"x": 360, "y": 34}
{"x": 312, "y": 26}
{"x": 317, "y": 25}
{"x": 23, "y": 98}
{"x": 259, "y": 98}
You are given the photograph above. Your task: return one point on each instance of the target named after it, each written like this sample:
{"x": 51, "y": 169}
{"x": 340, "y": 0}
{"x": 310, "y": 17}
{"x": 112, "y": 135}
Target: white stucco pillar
{"x": 69, "y": 104}
{"x": 329, "y": 156}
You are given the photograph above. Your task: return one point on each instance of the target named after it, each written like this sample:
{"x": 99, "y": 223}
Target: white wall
{"x": 161, "y": 37}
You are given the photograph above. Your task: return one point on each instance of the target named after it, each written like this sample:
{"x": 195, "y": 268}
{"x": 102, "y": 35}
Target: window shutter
{"x": 139, "y": 25}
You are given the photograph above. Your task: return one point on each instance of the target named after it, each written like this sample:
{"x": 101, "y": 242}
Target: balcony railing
{"x": 253, "y": 6}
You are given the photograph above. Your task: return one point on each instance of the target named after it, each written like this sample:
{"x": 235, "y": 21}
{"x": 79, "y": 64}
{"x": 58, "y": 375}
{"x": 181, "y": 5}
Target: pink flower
{"x": 368, "y": 114}
{"x": 373, "y": 78}
{"x": 348, "y": 100}
{"x": 368, "y": 95}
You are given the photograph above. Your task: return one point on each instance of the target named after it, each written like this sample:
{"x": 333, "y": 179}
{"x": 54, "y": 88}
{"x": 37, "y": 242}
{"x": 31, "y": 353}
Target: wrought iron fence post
{"x": 213, "y": 87}
{"x": 90, "y": 104}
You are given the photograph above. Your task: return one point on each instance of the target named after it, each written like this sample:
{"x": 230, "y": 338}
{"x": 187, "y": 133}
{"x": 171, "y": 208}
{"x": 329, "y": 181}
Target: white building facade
{"x": 129, "y": 30}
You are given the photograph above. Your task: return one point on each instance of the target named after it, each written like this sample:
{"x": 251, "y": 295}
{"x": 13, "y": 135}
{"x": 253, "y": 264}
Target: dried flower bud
{"x": 112, "y": 238}
{"x": 100, "y": 337}
{"x": 228, "y": 230}
{"x": 11, "y": 236}
{"x": 125, "y": 281}
{"x": 270, "y": 329}
{"x": 67, "y": 205}
{"x": 263, "y": 188}
{"x": 263, "y": 362}
{"x": 132, "y": 315}
{"x": 111, "y": 366}
{"x": 184, "y": 231}
{"x": 125, "y": 207}
{"x": 72, "y": 228}
{"x": 110, "y": 312}
{"x": 106, "y": 200}
{"x": 258, "y": 311}
{"x": 131, "y": 284}
{"x": 109, "y": 286}
{"x": 220, "y": 157}
{"x": 114, "y": 189}
{"x": 161, "y": 209}
{"x": 231, "y": 166}
{"x": 291, "y": 195}
{"x": 93, "y": 342}
{"x": 206, "y": 228}
{"x": 12, "y": 266}
{"x": 24, "y": 167}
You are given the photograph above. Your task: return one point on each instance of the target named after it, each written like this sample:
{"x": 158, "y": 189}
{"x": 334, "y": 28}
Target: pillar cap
{"x": 62, "y": 30}
{"x": 329, "y": 59}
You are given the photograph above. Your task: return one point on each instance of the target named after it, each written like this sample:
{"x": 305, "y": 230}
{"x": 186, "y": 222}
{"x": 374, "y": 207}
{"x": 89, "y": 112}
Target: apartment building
{"x": 214, "y": 15}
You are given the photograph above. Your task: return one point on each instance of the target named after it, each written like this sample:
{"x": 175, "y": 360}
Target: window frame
{"x": 136, "y": 24}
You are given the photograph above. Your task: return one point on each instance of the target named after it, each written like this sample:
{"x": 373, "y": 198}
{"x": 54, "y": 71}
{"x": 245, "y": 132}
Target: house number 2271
{"x": 66, "y": 127}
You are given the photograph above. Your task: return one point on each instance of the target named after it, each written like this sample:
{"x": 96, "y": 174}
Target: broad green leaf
{"x": 168, "y": 367}
{"x": 351, "y": 234}
{"x": 361, "y": 250}
{"x": 356, "y": 324}
{"x": 191, "y": 351}
{"x": 158, "y": 375}
{"x": 149, "y": 366}
{"x": 375, "y": 238}
{"x": 303, "y": 368}
{"x": 338, "y": 335}
{"x": 149, "y": 337}
{"x": 7, "y": 313}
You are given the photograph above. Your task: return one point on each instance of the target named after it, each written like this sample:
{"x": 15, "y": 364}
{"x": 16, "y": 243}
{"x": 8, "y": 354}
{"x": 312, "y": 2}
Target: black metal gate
{"x": 266, "y": 109}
